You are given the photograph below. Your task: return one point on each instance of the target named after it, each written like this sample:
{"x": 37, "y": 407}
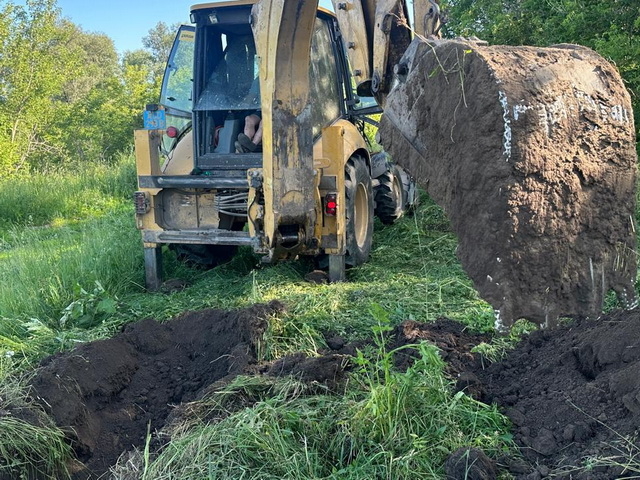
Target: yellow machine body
{"x": 313, "y": 150}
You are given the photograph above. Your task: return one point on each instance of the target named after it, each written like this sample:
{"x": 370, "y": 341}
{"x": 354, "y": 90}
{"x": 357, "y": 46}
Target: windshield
{"x": 233, "y": 83}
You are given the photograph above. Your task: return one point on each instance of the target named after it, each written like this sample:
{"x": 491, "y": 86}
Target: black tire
{"x": 360, "y": 210}
{"x": 203, "y": 256}
{"x": 394, "y": 195}
{"x": 389, "y": 197}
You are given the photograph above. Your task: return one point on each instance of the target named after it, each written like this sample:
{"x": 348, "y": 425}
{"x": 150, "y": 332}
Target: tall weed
{"x": 65, "y": 195}
{"x": 30, "y": 445}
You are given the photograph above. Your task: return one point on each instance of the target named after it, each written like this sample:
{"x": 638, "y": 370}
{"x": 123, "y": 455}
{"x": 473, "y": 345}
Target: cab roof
{"x": 232, "y": 3}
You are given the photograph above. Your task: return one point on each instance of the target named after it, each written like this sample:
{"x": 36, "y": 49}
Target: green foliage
{"x": 64, "y": 96}
{"x": 90, "y": 308}
{"x": 31, "y": 451}
{"x": 38, "y": 274}
{"x": 59, "y": 197}
{"x": 158, "y": 43}
{"x": 35, "y": 62}
{"x": 60, "y": 235}
{"x": 99, "y": 126}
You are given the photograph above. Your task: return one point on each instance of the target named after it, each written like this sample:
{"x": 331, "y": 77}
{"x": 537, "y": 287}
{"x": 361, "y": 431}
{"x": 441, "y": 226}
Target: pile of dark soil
{"x": 107, "y": 395}
{"x": 573, "y": 395}
{"x": 452, "y": 339}
{"x": 532, "y": 154}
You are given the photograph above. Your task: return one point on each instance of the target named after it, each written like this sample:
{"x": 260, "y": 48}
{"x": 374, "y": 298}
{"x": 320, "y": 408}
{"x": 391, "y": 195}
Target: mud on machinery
{"x": 313, "y": 185}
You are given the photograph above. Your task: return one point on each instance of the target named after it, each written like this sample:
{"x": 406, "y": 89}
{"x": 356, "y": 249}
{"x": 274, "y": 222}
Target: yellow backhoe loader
{"x": 312, "y": 185}
{"x": 530, "y": 151}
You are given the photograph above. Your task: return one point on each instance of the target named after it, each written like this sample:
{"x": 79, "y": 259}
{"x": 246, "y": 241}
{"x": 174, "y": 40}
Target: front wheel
{"x": 395, "y": 195}
{"x": 360, "y": 209}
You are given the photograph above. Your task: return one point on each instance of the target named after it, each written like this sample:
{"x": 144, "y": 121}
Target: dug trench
{"x": 572, "y": 393}
{"x": 106, "y": 394}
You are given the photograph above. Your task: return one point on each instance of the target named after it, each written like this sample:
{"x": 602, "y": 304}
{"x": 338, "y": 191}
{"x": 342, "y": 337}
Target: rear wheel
{"x": 360, "y": 210}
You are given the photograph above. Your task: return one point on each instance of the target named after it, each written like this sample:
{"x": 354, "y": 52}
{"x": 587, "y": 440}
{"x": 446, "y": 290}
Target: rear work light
{"x": 141, "y": 202}
{"x": 331, "y": 204}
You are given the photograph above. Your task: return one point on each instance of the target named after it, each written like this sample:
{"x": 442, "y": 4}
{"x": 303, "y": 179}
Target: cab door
{"x": 177, "y": 85}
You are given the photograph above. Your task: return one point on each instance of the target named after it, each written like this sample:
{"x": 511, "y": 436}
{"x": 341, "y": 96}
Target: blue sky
{"x": 127, "y": 21}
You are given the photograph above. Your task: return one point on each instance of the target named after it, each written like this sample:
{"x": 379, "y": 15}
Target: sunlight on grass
{"x": 412, "y": 274}
{"x": 61, "y": 196}
{"x": 38, "y": 278}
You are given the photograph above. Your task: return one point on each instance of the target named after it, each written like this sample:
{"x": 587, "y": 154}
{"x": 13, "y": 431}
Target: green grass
{"x": 45, "y": 265}
{"x": 55, "y": 197}
{"x": 39, "y": 273}
{"x": 30, "y": 445}
{"x": 71, "y": 270}
{"x": 388, "y": 424}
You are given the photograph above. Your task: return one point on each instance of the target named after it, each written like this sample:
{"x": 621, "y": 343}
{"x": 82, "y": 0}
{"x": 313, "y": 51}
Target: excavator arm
{"x": 287, "y": 173}
{"x": 501, "y": 138}
{"x": 378, "y": 33}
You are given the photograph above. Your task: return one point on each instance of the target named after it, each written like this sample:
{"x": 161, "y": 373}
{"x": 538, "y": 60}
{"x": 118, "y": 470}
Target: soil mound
{"x": 573, "y": 394}
{"x": 531, "y": 152}
{"x": 452, "y": 339}
{"x": 107, "y": 395}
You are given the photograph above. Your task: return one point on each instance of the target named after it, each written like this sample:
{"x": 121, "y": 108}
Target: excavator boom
{"x": 378, "y": 33}
{"x": 283, "y": 32}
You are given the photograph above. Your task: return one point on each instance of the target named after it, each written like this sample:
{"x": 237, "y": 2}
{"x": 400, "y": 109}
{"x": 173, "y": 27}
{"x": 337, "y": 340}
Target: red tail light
{"x": 172, "y": 132}
{"x": 331, "y": 204}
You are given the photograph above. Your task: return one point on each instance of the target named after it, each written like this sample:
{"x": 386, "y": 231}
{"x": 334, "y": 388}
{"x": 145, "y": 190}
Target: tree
{"x": 159, "y": 42}
{"x": 64, "y": 95}
{"x": 97, "y": 54}
{"x": 35, "y": 63}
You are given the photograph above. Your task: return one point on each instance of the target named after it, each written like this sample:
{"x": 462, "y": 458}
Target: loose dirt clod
{"x": 108, "y": 394}
{"x": 470, "y": 464}
{"x": 531, "y": 152}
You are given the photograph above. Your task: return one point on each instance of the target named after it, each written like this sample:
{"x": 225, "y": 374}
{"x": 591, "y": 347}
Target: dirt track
{"x": 571, "y": 393}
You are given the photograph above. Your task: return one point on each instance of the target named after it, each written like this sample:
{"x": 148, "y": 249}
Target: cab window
{"x": 324, "y": 94}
